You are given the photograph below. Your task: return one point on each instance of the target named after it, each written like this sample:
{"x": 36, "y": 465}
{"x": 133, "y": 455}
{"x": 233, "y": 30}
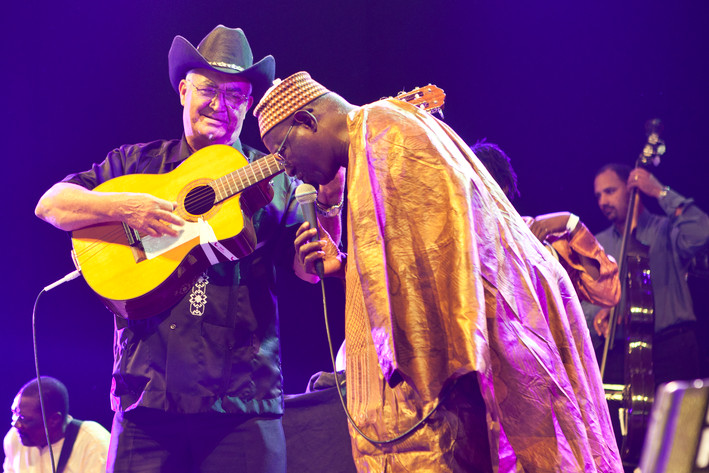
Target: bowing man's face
{"x": 303, "y": 146}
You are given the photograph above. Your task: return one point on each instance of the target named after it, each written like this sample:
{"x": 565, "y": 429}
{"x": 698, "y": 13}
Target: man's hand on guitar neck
{"x": 548, "y": 224}
{"x": 70, "y": 207}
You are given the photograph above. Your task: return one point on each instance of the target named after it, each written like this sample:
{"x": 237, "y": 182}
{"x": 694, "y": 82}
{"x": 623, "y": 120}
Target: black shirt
{"x": 217, "y": 349}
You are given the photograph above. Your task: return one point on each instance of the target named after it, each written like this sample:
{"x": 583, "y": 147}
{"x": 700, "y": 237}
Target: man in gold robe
{"x": 453, "y": 307}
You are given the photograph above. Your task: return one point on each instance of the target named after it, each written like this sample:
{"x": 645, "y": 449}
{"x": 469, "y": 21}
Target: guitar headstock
{"x": 655, "y": 146}
{"x": 429, "y": 98}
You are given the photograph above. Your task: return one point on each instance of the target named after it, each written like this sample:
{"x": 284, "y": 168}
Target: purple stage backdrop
{"x": 563, "y": 87}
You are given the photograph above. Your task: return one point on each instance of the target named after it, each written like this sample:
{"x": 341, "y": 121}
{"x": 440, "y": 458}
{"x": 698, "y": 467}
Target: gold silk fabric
{"x": 603, "y": 291}
{"x": 443, "y": 279}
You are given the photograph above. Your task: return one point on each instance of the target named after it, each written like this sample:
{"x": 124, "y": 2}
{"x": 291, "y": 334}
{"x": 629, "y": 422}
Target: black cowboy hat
{"x": 224, "y": 50}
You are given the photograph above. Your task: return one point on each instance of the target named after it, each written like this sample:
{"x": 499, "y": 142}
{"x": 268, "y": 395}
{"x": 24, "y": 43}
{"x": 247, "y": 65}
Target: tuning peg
{"x": 654, "y": 125}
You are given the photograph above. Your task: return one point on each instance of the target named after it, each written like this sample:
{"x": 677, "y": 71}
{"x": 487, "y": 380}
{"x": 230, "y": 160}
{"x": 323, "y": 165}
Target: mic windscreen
{"x": 305, "y": 194}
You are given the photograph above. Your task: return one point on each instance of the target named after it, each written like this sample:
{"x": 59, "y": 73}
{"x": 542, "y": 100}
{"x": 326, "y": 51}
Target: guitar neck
{"x": 239, "y": 180}
{"x": 428, "y": 98}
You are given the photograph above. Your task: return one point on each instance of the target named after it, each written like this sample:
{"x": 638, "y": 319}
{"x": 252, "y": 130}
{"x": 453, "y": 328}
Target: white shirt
{"x": 87, "y": 456}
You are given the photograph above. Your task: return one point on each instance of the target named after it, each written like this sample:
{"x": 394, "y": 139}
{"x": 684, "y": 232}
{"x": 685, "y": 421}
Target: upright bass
{"x": 636, "y": 310}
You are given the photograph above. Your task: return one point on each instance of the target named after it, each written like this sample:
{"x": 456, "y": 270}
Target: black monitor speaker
{"x": 678, "y": 436}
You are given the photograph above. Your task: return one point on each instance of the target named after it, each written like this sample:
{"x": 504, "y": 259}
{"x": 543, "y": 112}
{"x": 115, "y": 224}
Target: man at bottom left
{"x": 77, "y": 446}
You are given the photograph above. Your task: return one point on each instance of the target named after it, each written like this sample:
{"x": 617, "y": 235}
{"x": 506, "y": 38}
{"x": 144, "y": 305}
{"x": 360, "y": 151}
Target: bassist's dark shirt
{"x": 217, "y": 349}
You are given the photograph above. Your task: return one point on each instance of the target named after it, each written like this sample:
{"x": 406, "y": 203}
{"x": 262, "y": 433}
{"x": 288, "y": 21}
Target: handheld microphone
{"x": 306, "y": 194}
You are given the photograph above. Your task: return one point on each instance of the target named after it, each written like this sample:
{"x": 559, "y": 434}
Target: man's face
{"x": 306, "y": 153}
{"x": 612, "y": 196}
{"x": 213, "y": 109}
{"x": 27, "y": 419}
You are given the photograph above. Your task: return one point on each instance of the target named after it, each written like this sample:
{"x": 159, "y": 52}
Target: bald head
{"x": 56, "y": 396}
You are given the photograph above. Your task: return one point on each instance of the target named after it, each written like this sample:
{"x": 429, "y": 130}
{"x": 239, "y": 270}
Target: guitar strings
{"x": 271, "y": 165}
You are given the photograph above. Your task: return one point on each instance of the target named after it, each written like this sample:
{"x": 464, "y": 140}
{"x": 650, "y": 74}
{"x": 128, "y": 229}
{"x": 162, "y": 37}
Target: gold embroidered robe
{"x": 443, "y": 279}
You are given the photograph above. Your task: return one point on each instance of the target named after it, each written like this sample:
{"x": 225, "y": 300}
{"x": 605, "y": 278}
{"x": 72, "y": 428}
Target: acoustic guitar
{"x": 217, "y": 191}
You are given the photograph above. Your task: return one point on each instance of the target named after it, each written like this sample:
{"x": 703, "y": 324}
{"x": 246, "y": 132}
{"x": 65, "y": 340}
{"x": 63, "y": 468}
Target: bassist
{"x": 672, "y": 241}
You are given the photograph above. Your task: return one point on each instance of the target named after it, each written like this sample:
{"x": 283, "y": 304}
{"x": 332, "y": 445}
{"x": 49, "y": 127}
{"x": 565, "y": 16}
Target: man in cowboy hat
{"x": 198, "y": 386}
{"x": 453, "y": 307}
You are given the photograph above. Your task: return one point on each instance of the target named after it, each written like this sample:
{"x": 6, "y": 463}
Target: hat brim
{"x": 183, "y": 57}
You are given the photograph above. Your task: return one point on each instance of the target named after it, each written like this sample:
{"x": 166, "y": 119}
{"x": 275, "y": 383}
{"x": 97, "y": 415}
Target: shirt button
{"x": 173, "y": 326}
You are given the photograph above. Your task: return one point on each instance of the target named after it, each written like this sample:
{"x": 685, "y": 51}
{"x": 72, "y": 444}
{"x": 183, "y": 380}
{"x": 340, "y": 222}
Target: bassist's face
{"x": 612, "y": 196}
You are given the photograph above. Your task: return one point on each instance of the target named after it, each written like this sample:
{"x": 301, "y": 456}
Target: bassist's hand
{"x": 643, "y": 180}
{"x": 148, "y": 214}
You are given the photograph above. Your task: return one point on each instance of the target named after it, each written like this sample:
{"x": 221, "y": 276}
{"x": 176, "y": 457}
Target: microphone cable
{"x": 73, "y": 275}
{"x": 306, "y": 195}
{"x": 373, "y": 441}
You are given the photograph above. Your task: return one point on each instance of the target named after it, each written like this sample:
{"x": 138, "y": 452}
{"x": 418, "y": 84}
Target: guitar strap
{"x": 69, "y": 438}
{"x": 207, "y": 240}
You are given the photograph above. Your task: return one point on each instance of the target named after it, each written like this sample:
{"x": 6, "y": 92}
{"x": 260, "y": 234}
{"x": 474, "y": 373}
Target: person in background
{"x": 673, "y": 240}
{"x": 593, "y": 273}
{"x": 77, "y": 446}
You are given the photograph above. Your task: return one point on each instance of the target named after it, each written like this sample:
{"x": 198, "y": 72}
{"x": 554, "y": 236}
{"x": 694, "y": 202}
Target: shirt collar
{"x": 643, "y": 221}
{"x": 184, "y": 151}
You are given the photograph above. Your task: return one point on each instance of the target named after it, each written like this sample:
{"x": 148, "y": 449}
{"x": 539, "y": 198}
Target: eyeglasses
{"x": 279, "y": 157}
{"x": 20, "y": 419}
{"x": 232, "y": 98}
{"x": 296, "y": 120}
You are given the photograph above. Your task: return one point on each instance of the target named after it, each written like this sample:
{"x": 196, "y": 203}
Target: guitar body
{"x": 135, "y": 286}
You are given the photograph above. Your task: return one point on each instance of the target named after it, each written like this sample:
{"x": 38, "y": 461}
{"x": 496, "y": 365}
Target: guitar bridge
{"x": 135, "y": 243}
{"x": 132, "y": 235}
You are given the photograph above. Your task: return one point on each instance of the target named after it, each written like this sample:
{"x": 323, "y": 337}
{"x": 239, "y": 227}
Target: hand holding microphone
{"x": 306, "y": 194}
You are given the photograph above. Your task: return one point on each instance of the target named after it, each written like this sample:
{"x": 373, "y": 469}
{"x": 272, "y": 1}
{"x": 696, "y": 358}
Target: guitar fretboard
{"x": 235, "y": 182}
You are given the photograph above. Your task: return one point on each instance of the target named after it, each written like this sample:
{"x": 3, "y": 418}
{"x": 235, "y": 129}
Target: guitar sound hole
{"x": 200, "y": 200}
